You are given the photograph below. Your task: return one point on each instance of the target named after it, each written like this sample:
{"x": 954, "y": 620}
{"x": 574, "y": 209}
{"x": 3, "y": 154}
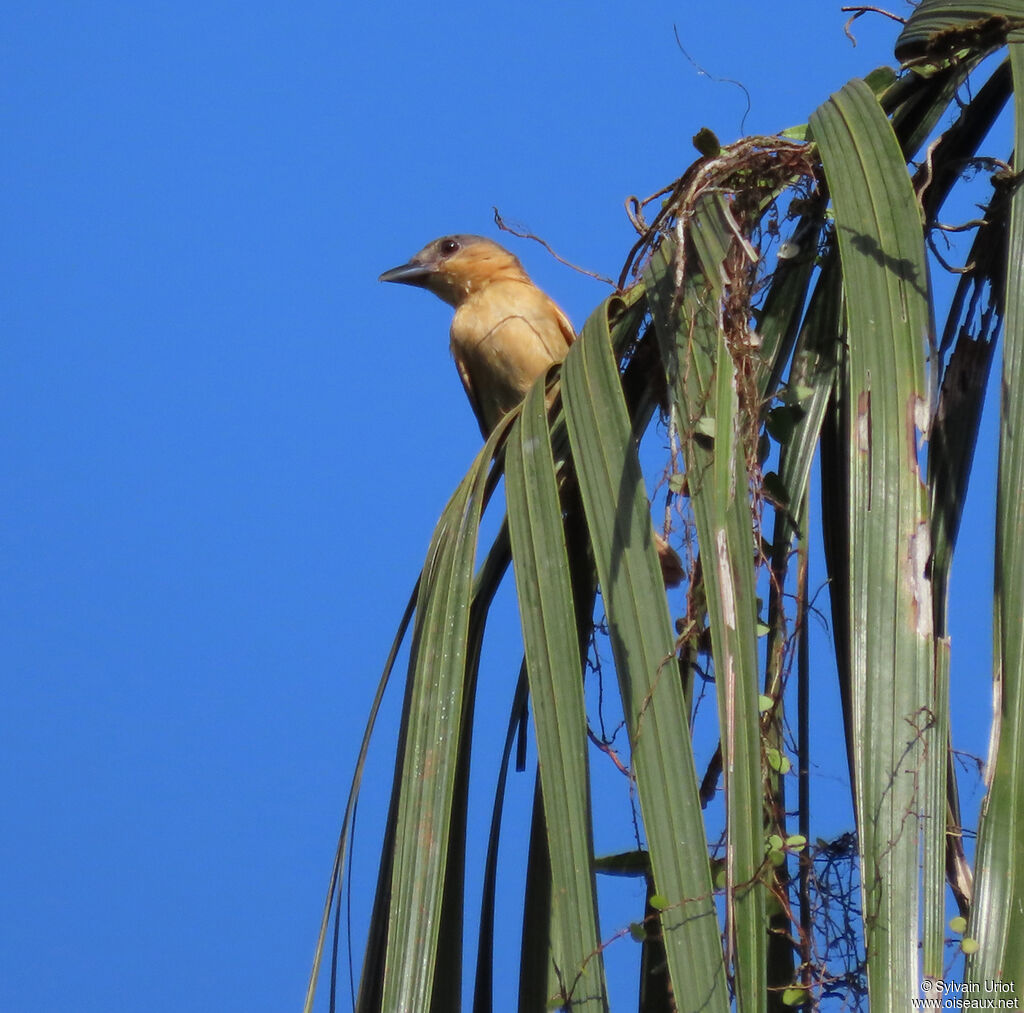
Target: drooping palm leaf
{"x": 706, "y": 330}
{"x": 997, "y": 921}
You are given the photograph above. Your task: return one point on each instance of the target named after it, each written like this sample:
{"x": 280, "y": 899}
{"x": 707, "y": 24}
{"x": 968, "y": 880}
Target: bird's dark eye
{"x": 449, "y": 246}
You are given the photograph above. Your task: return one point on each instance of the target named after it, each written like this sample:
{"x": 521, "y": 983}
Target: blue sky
{"x": 225, "y": 446}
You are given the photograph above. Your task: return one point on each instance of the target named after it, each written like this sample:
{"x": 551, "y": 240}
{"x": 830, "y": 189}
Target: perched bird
{"x": 506, "y": 331}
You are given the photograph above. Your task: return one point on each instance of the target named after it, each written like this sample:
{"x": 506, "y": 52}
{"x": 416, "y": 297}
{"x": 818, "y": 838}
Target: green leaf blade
{"x": 618, "y": 515}
{"x": 705, "y": 375}
{"x": 555, "y": 675}
{"x": 997, "y": 922}
{"x": 438, "y": 664}
{"x": 888, "y": 598}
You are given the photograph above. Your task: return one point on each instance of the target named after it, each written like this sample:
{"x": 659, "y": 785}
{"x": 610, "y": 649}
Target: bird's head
{"x": 453, "y": 267}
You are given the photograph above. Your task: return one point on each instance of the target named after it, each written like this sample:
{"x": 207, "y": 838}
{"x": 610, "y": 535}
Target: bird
{"x": 506, "y": 332}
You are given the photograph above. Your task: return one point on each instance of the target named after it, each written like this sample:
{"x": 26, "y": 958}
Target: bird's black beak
{"x": 409, "y": 274}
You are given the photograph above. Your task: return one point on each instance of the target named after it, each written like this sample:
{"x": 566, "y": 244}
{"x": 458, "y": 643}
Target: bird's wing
{"x": 550, "y": 325}
{"x": 566, "y": 327}
{"x": 502, "y": 338}
{"x": 474, "y": 401}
